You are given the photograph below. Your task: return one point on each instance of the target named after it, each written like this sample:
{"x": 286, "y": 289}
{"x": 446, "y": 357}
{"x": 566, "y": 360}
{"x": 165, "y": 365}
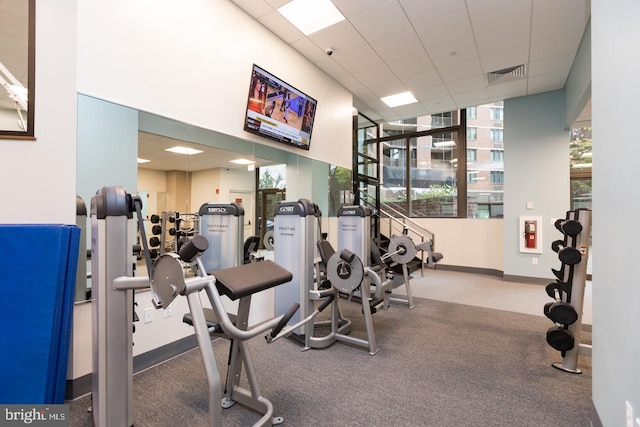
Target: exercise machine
{"x": 112, "y": 238}
{"x": 223, "y": 227}
{"x": 112, "y": 210}
{"x": 237, "y": 283}
{"x": 568, "y": 289}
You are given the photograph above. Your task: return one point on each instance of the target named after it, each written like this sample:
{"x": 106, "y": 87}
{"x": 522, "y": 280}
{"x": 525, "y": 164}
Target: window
{"x": 420, "y": 172}
{"x": 497, "y": 156}
{"x": 472, "y": 113}
{"x": 496, "y": 114}
{"x": 497, "y": 177}
{"x": 472, "y": 134}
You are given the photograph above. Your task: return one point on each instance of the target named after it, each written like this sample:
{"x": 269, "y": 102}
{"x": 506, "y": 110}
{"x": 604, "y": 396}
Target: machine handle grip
{"x": 285, "y": 319}
{"x": 193, "y": 247}
{"x": 326, "y": 302}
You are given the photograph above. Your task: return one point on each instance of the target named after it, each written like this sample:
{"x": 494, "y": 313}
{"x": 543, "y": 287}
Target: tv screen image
{"x": 279, "y": 111}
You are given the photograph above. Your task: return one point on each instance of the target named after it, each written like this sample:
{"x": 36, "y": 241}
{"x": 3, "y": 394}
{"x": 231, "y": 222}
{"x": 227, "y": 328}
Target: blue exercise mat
{"x": 38, "y": 268}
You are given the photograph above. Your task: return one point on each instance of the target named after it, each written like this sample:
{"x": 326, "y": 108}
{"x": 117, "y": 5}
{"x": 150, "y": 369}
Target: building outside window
{"x": 421, "y": 170}
{"x": 472, "y": 133}
{"x": 496, "y": 135}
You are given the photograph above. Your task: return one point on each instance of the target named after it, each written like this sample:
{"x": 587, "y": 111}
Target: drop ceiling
{"x": 153, "y": 147}
{"x": 440, "y": 50}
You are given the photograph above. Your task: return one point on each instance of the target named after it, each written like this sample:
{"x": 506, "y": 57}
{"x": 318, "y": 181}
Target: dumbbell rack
{"x": 568, "y": 289}
{"x": 169, "y": 228}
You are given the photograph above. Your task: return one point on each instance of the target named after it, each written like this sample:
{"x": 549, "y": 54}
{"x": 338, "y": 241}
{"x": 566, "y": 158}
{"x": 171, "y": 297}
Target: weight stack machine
{"x": 294, "y": 242}
{"x": 569, "y": 288}
{"x": 354, "y": 231}
{"x": 223, "y": 227}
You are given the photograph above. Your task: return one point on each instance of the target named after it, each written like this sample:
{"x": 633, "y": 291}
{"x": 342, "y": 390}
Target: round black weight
{"x": 571, "y": 227}
{"x": 154, "y": 241}
{"x": 172, "y": 231}
{"x": 155, "y": 219}
{"x": 172, "y": 219}
{"x": 561, "y": 312}
{"x": 570, "y": 256}
{"x": 559, "y": 338}
{"x": 156, "y": 230}
{"x": 153, "y": 253}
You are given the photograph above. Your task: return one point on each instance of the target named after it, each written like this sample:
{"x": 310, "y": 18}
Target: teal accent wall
{"x": 536, "y": 171}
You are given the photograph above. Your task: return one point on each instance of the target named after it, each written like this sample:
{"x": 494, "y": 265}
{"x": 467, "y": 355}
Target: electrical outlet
{"x": 148, "y": 315}
{"x": 534, "y": 261}
{"x": 168, "y": 311}
{"x": 629, "y": 410}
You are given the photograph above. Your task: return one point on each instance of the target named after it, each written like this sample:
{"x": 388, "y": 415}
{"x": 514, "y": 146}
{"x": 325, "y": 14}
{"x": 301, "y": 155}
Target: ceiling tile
{"x": 255, "y": 8}
{"x": 508, "y": 90}
{"x": 490, "y": 14}
{"x": 466, "y": 84}
{"x": 555, "y": 45}
{"x": 545, "y": 6}
{"x": 450, "y": 28}
{"x": 380, "y": 21}
{"x": 342, "y": 37}
{"x": 505, "y": 58}
{"x": 350, "y": 8}
{"x": 504, "y": 37}
{"x": 375, "y": 76}
{"x": 559, "y": 21}
{"x": 551, "y": 65}
{"x": 422, "y": 80}
{"x": 281, "y": 27}
{"x": 460, "y": 70}
{"x": 449, "y": 53}
{"x": 332, "y": 68}
{"x": 398, "y": 46}
{"x": 431, "y": 92}
{"x": 420, "y": 12}
{"x": 411, "y": 65}
{"x": 471, "y": 98}
{"x": 357, "y": 59}
{"x": 546, "y": 82}
{"x": 309, "y": 49}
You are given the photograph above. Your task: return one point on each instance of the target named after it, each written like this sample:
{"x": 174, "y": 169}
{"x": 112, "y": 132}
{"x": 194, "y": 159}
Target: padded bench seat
{"x": 247, "y": 279}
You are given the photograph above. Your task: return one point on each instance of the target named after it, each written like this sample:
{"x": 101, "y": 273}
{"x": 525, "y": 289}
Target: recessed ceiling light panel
{"x": 310, "y": 16}
{"x": 399, "y": 99}
{"x": 183, "y": 150}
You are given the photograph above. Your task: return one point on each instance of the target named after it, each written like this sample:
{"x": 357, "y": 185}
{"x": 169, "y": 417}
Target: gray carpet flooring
{"x": 439, "y": 364}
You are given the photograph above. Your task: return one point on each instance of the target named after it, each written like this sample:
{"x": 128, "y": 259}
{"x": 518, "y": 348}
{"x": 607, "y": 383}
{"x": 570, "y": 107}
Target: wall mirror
{"x": 17, "y": 69}
{"x": 118, "y": 145}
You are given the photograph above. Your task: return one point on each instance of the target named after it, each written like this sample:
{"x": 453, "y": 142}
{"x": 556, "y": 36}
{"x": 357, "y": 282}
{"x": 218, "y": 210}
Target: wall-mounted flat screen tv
{"x": 279, "y": 111}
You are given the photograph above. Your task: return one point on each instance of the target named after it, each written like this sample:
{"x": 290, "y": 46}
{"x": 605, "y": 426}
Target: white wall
{"x": 616, "y": 291}
{"x": 475, "y": 243}
{"x": 191, "y": 61}
{"x": 536, "y": 171}
{"x": 42, "y": 173}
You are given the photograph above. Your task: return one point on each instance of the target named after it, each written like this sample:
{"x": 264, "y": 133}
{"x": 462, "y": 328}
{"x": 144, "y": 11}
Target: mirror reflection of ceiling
{"x": 444, "y": 52}
{"x": 153, "y": 147}
{"x": 14, "y": 43}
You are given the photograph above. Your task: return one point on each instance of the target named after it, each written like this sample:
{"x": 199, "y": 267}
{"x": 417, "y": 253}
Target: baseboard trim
{"x": 80, "y": 386}
{"x": 475, "y": 270}
{"x": 525, "y": 279}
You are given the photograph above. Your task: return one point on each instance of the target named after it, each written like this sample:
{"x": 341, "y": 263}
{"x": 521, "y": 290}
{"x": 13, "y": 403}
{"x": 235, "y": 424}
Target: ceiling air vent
{"x": 507, "y": 74}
